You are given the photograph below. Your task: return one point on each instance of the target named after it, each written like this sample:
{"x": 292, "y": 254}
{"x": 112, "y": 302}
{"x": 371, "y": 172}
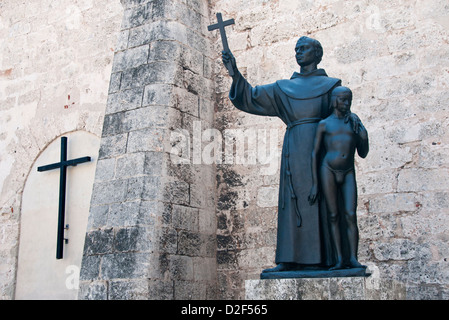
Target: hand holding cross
{"x": 221, "y": 26}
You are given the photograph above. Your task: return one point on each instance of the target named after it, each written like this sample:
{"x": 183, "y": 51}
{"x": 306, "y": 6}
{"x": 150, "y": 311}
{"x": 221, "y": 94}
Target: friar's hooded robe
{"x": 300, "y": 102}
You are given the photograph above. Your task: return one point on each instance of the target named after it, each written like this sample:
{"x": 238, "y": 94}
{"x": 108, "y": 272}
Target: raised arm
{"x": 259, "y": 100}
{"x": 315, "y": 151}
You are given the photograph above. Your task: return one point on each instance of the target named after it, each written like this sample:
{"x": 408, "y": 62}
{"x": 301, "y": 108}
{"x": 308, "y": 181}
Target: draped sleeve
{"x": 259, "y": 100}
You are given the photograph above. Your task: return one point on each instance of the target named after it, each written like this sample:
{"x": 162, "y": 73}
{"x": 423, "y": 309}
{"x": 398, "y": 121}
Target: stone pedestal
{"x": 337, "y": 288}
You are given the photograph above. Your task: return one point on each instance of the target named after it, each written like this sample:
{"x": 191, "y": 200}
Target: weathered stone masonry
{"x": 152, "y": 223}
{"x": 55, "y": 66}
{"x": 393, "y": 55}
{"x": 162, "y": 230}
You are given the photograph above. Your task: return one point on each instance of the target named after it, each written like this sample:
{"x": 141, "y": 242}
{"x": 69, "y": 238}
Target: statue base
{"x": 316, "y": 273}
{"x": 344, "y": 284}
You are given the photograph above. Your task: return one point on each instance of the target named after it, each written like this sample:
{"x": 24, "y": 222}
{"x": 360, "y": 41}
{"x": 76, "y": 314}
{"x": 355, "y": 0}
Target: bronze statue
{"x": 308, "y": 236}
{"x": 339, "y": 136}
{"x": 303, "y": 238}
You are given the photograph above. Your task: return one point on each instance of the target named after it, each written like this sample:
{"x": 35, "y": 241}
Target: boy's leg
{"x": 329, "y": 189}
{"x": 349, "y": 192}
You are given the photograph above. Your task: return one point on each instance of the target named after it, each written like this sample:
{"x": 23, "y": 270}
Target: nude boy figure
{"x": 340, "y": 134}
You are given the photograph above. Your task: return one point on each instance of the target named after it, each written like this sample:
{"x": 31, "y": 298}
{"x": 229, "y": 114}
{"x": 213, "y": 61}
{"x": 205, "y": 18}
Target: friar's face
{"x": 305, "y": 53}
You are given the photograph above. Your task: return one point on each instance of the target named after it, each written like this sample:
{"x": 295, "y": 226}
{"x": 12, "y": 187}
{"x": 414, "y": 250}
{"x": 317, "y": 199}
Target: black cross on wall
{"x": 62, "y": 166}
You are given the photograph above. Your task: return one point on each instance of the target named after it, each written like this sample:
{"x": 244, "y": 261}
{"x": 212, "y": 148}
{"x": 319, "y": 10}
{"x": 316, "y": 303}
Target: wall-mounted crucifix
{"x": 62, "y": 166}
{"x": 221, "y": 26}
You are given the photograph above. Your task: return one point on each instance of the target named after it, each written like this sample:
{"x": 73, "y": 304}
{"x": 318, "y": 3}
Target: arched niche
{"x": 39, "y": 274}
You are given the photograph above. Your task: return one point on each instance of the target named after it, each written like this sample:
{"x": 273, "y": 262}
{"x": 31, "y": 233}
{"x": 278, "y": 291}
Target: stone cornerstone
{"x": 151, "y": 232}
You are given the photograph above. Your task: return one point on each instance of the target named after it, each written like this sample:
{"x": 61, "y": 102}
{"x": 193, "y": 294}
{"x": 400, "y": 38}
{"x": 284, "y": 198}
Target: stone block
{"x": 181, "y": 267}
{"x": 177, "y": 192}
{"x": 144, "y": 188}
{"x": 130, "y": 58}
{"x": 255, "y": 256}
{"x": 204, "y": 269}
{"x": 160, "y": 72}
{"x": 166, "y": 240}
{"x": 157, "y": 31}
{"x": 128, "y": 290}
{"x": 132, "y": 3}
{"x": 130, "y": 239}
{"x": 114, "y": 82}
{"x": 113, "y": 124}
{"x": 158, "y": 94}
{"x": 375, "y": 183}
{"x": 186, "y": 101}
{"x": 189, "y": 243}
{"x": 346, "y": 288}
{"x": 105, "y": 170}
{"x": 114, "y": 145}
{"x": 122, "y": 40}
{"x": 207, "y": 221}
{"x": 109, "y": 192}
{"x": 129, "y": 213}
{"x": 98, "y": 242}
{"x": 150, "y": 117}
{"x": 192, "y": 60}
{"x": 416, "y": 180}
{"x": 97, "y": 217}
{"x": 152, "y": 188}
{"x": 164, "y": 50}
{"x": 124, "y": 100}
{"x": 185, "y": 217}
{"x": 267, "y": 197}
{"x": 130, "y": 165}
{"x": 141, "y": 289}
{"x": 397, "y": 249}
{"x": 149, "y": 139}
{"x": 376, "y": 227}
{"x": 132, "y": 265}
{"x": 188, "y": 290}
{"x": 432, "y": 223}
{"x": 394, "y": 202}
{"x": 90, "y": 269}
{"x": 96, "y": 290}
{"x": 154, "y": 163}
{"x": 227, "y": 260}
{"x": 197, "y": 84}
{"x": 136, "y": 15}
{"x": 207, "y": 244}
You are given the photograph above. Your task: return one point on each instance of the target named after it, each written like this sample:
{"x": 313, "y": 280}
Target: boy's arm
{"x": 362, "y": 141}
{"x": 362, "y": 135}
{"x": 316, "y": 148}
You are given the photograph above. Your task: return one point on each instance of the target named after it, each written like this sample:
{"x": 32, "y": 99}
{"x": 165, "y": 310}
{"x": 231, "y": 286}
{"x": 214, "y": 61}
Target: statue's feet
{"x": 353, "y": 263}
{"x": 337, "y": 266}
{"x": 281, "y": 267}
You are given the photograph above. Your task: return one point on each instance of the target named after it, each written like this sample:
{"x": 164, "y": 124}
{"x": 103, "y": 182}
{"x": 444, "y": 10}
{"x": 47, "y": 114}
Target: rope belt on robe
{"x": 288, "y": 179}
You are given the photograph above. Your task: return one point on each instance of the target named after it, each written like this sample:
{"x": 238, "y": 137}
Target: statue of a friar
{"x": 301, "y": 102}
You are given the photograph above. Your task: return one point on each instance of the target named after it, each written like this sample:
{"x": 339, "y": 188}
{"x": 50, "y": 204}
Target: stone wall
{"x": 185, "y": 225}
{"x": 393, "y": 55}
{"x": 55, "y": 65}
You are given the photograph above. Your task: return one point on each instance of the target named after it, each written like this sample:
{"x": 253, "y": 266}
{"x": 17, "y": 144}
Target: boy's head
{"x": 341, "y": 99}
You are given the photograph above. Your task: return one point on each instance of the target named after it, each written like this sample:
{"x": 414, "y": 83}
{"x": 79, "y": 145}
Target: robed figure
{"x": 300, "y": 102}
